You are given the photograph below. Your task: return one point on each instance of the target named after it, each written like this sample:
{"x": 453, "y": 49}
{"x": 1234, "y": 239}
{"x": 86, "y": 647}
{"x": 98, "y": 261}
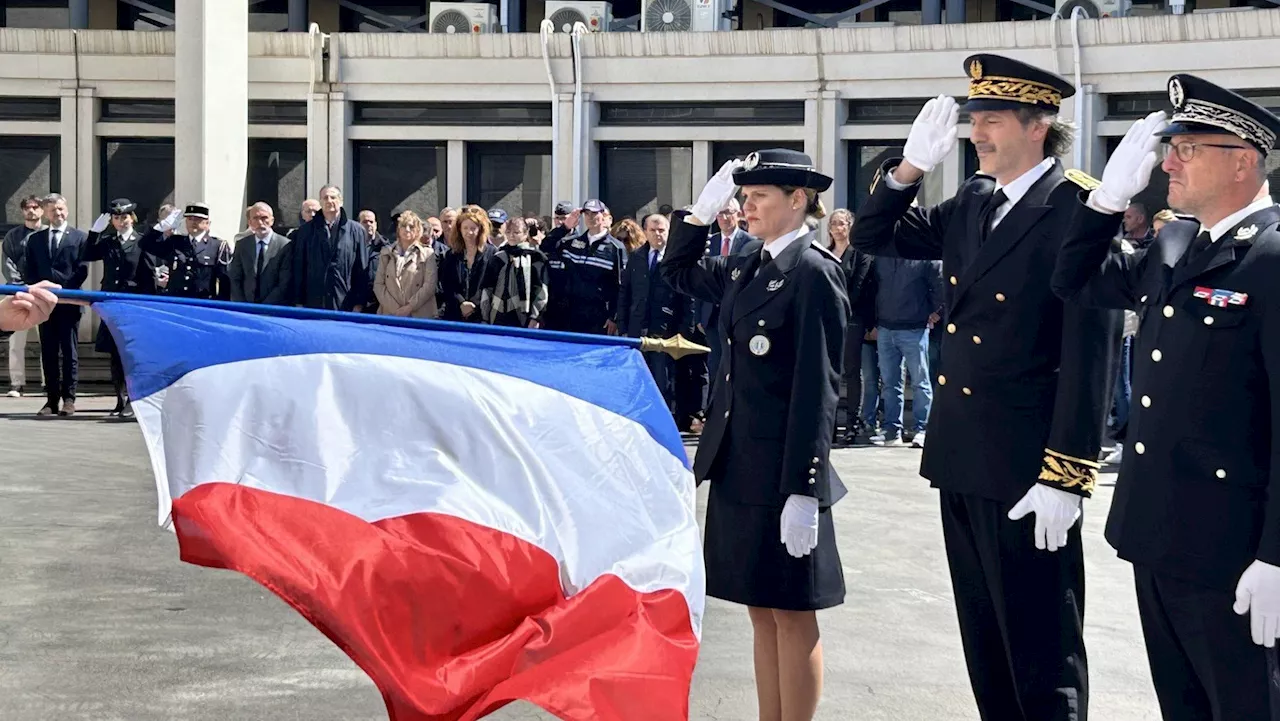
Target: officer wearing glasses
{"x": 1197, "y": 505}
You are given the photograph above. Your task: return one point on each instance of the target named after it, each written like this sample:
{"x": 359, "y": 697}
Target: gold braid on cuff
{"x": 1076, "y": 475}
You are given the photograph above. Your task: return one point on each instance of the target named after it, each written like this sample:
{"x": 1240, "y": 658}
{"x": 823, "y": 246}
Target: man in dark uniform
{"x": 1016, "y": 426}
{"x": 115, "y": 241}
{"x": 1197, "y": 504}
{"x": 584, "y": 272}
{"x": 191, "y": 265}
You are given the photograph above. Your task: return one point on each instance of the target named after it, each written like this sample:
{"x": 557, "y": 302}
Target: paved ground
{"x": 99, "y": 620}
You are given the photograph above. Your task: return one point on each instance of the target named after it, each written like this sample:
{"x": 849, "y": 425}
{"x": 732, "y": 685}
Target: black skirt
{"x": 104, "y": 342}
{"x": 747, "y": 562}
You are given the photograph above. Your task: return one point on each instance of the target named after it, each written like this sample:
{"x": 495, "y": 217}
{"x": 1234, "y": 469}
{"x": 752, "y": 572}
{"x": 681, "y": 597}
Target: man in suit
{"x": 649, "y": 307}
{"x": 1016, "y": 425}
{"x": 727, "y": 240}
{"x": 1197, "y": 504}
{"x": 260, "y": 267}
{"x": 56, "y": 254}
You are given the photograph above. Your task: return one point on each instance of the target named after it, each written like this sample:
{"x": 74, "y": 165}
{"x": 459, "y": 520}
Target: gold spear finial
{"x": 676, "y": 346}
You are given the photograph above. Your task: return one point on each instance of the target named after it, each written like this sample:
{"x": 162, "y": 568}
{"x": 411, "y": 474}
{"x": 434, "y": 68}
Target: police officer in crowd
{"x": 584, "y": 272}
{"x": 770, "y": 539}
{"x": 114, "y": 240}
{"x": 190, "y": 265}
{"x": 1017, "y": 422}
{"x": 1197, "y": 503}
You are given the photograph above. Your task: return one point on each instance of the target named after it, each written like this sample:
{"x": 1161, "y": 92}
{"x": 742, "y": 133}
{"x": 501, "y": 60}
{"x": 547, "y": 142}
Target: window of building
{"x": 638, "y": 178}
{"x": 269, "y": 16}
{"x": 28, "y": 166}
{"x": 513, "y": 176}
{"x": 764, "y": 112}
{"x": 47, "y": 14}
{"x": 157, "y": 16}
{"x": 128, "y": 110}
{"x": 15, "y": 108}
{"x": 277, "y": 176}
{"x": 890, "y": 111}
{"x": 277, "y": 112}
{"x": 386, "y": 16}
{"x": 722, "y": 153}
{"x": 140, "y": 169}
{"x": 395, "y": 176}
{"x": 452, "y": 113}
{"x": 866, "y": 159}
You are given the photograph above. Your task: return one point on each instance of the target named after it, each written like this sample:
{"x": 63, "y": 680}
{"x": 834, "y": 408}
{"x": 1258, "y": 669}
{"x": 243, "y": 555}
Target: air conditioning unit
{"x": 564, "y": 13}
{"x": 1094, "y": 8}
{"x": 463, "y": 18}
{"x": 682, "y": 16}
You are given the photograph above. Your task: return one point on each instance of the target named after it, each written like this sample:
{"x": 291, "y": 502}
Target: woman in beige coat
{"x": 406, "y": 280}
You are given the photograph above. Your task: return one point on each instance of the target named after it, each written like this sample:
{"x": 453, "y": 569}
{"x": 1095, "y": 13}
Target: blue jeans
{"x": 911, "y": 346}
{"x": 1124, "y": 392}
{"x": 870, "y": 385}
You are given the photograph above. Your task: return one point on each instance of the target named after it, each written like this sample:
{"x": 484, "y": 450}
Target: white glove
{"x": 101, "y": 223}
{"x": 1259, "y": 590}
{"x": 1056, "y": 512}
{"x": 170, "y": 223}
{"x": 1129, "y": 169}
{"x": 800, "y": 525}
{"x": 933, "y": 134}
{"x": 719, "y": 190}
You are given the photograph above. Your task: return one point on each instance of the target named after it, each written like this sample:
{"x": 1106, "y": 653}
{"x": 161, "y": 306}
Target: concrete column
{"x": 955, "y": 12}
{"x": 79, "y": 14}
{"x": 564, "y": 146}
{"x": 317, "y": 145}
{"x": 338, "y": 172}
{"x": 702, "y": 169}
{"x": 298, "y": 16}
{"x": 830, "y": 158}
{"x": 455, "y": 176}
{"x": 69, "y": 142}
{"x": 211, "y": 79}
{"x": 931, "y": 12}
{"x": 590, "y": 149}
{"x": 88, "y": 191}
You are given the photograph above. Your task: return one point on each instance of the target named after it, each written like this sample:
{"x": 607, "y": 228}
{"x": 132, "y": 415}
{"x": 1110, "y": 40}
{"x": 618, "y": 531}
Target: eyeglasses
{"x": 1186, "y": 151}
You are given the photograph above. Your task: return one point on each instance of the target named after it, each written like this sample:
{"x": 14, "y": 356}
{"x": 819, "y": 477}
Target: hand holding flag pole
{"x": 677, "y": 346}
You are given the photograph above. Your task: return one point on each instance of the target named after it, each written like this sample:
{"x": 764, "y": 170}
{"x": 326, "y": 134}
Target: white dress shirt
{"x": 1013, "y": 192}
{"x": 1221, "y": 227}
{"x": 775, "y": 248}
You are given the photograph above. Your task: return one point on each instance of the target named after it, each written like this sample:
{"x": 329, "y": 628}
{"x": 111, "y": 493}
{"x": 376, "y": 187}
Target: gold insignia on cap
{"x": 1247, "y": 233}
{"x": 1176, "y": 94}
{"x": 751, "y": 161}
{"x": 975, "y": 69}
{"x": 1022, "y": 91}
{"x": 1081, "y": 178}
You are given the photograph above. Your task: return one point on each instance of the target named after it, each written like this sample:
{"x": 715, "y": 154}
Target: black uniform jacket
{"x": 197, "y": 269}
{"x": 768, "y": 431}
{"x": 647, "y": 304}
{"x": 1026, "y": 380}
{"x": 1199, "y": 488}
{"x": 119, "y": 259}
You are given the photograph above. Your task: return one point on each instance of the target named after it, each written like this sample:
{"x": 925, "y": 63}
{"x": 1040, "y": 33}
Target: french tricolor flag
{"x": 473, "y": 518}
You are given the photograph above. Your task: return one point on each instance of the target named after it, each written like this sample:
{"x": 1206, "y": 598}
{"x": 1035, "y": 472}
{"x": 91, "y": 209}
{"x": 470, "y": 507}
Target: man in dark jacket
{"x": 585, "y": 270}
{"x": 649, "y": 307}
{"x": 908, "y": 296}
{"x": 56, "y": 254}
{"x": 331, "y": 259}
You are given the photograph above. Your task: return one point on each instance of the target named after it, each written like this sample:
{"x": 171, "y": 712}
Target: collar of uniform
{"x": 1019, "y": 187}
{"x": 200, "y": 237}
{"x": 775, "y": 248}
{"x": 1222, "y": 226}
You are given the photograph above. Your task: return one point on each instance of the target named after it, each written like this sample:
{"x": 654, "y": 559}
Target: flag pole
{"x": 676, "y": 346}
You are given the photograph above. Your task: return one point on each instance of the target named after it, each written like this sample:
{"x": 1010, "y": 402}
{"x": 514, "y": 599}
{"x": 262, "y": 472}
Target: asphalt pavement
{"x": 100, "y": 620}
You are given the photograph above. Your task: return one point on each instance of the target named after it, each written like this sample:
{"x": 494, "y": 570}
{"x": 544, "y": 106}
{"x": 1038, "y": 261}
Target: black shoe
{"x": 119, "y": 407}
{"x": 127, "y": 411}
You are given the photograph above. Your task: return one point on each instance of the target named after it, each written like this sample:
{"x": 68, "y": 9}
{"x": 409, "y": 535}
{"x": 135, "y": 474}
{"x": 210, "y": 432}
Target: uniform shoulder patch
{"x": 1082, "y": 179}
{"x": 825, "y": 250}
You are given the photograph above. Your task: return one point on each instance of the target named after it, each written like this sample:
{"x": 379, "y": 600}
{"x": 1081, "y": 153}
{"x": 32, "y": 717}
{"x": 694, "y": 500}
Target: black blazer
{"x": 647, "y": 305}
{"x": 460, "y": 284}
{"x": 1199, "y": 490}
{"x": 1028, "y": 379}
{"x": 66, "y": 267}
{"x": 770, "y": 423}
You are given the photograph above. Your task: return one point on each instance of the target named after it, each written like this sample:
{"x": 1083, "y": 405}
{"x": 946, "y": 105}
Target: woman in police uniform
{"x": 114, "y": 241}
{"x": 770, "y": 542}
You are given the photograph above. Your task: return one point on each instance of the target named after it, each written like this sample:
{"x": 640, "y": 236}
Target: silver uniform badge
{"x": 734, "y": 275}
{"x": 774, "y": 285}
{"x": 759, "y": 345}
{"x": 1247, "y": 233}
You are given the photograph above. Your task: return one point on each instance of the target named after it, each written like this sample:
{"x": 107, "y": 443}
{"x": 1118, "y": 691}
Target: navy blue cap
{"x": 781, "y": 166}
{"x": 122, "y": 206}
{"x": 595, "y": 206}
{"x": 498, "y": 215}
{"x": 1199, "y": 106}
{"x": 564, "y": 207}
{"x": 1000, "y": 83}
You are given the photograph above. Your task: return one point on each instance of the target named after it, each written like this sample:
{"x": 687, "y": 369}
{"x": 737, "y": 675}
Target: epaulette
{"x": 1081, "y": 178}
{"x": 875, "y": 180}
{"x": 825, "y": 250}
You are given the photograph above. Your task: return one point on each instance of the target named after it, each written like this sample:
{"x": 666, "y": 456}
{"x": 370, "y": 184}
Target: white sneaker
{"x": 14, "y": 393}
{"x": 918, "y": 440}
{"x": 1115, "y": 456}
{"x": 880, "y": 440}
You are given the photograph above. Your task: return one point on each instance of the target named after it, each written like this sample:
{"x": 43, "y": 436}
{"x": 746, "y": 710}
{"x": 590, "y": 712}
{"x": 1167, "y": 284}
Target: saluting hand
{"x": 716, "y": 194}
{"x": 101, "y": 223}
{"x": 932, "y": 137}
{"x": 1129, "y": 169}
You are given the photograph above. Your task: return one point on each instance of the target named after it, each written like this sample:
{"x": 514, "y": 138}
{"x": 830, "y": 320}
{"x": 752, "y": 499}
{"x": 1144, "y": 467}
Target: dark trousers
{"x": 1021, "y": 613}
{"x": 662, "y": 366}
{"x": 851, "y": 372}
{"x": 117, "y": 373}
{"x": 60, "y": 354}
{"x": 1204, "y": 663}
{"x": 713, "y": 361}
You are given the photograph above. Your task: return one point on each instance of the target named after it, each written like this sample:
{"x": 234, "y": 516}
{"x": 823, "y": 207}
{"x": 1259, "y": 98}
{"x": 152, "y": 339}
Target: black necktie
{"x": 1198, "y": 246}
{"x": 996, "y": 200}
